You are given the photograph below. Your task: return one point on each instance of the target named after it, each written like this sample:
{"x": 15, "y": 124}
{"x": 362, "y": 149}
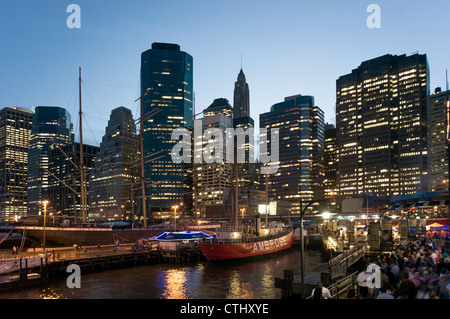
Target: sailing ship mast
{"x": 141, "y": 136}
{"x": 194, "y": 172}
{"x": 82, "y": 171}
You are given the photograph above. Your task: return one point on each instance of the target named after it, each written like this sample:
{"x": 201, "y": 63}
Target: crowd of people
{"x": 419, "y": 269}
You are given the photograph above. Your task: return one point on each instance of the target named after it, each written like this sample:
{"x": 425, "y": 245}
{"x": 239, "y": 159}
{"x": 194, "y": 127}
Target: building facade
{"x": 115, "y": 179}
{"x": 64, "y": 191}
{"x": 15, "y": 130}
{"x": 437, "y": 134}
{"x": 213, "y": 182}
{"x": 381, "y": 121}
{"x": 301, "y": 150}
{"x": 51, "y": 126}
{"x": 241, "y": 97}
{"x": 167, "y": 88}
{"x": 330, "y": 162}
{"x": 247, "y": 168}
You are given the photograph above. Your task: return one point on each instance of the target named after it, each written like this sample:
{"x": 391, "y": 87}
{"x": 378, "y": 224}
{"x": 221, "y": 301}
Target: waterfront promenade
{"x": 37, "y": 266}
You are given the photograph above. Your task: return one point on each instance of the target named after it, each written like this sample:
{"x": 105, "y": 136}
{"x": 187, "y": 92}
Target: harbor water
{"x": 252, "y": 279}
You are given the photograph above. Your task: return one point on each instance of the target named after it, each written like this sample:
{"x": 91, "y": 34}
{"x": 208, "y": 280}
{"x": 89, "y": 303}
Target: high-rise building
{"x": 64, "y": 190}
{"x": 241, "y": 97}
{"x": 301, "y": 150}
{"x": 381, "y": 121}
{"x": 115, "y": 177}
{"x": 15, "y": 130}
{"x": 51, "y": 126}
{"x": 213, "y": 180}
{"x": 330, "y": 160}
{"x": 167, "y": 88}
{"x": 248, "y": 179}
{"x": 438, "y": 148}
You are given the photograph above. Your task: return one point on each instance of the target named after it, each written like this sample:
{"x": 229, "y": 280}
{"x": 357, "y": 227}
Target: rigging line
{"x": 73, "y": 93}
{"x": 73, "y": 110}
{"x": 96, "y": 118}
{"x": 138, "y": 105}
{"x": 92, "y": 100}
{"x": 87, "y": 123}
{"x": 113, "y": 85}
{"x": 108, "y": 94}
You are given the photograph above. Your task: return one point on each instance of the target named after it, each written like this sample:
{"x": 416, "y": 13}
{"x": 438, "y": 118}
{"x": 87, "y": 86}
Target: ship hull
{"x": 60, "y": 237}
{"x": 16, "y": 240}
{"x": 220, "y": 251}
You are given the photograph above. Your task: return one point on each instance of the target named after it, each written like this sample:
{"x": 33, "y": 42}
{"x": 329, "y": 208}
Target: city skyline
{"x": 283, "y": 54}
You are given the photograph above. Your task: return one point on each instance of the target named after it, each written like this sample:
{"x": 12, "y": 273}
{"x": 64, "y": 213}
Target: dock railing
{"x": 339, "y": 264}
{"x": 341, "y": 288}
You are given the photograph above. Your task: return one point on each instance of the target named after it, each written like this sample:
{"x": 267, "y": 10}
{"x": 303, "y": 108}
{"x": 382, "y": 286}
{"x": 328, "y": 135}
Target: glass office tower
{"x": 50, "y": 125}
{"x": 437, "y": 133}
{"x": 15, "y": 129}
{"x": 65, "y": 202}
{"x": 381, "y": 121}
{"x": 115, "y": 176}
{"x": 301, "y": 150}
{"x": 167, "y": 83}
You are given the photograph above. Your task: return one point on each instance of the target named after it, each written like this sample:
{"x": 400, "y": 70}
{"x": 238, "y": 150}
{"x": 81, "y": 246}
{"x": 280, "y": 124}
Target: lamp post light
{"x": 302, "y": 241}
{"x": 242, "y": 212}
{"x": 45, "y": 202}
{"x": 175, "y": 217}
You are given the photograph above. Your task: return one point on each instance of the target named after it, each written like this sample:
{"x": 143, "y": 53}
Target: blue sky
{"x": 289, "y": 47}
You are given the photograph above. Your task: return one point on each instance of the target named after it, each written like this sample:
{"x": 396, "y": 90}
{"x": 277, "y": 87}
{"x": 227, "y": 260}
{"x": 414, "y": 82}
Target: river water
{"x": 253, "y": 279}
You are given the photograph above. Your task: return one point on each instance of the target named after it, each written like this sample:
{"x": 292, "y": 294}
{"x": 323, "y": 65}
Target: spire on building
{"x": 241, "y": 97}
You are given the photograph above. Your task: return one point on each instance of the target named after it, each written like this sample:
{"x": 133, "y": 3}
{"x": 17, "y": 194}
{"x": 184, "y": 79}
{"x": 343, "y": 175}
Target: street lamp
{"x": 302, "y": 241}
{"x": 242, "y": 211}
{"x": 45, "y": 202}
{"x": 326, "y": 215}
{"x": 175, "y": 217}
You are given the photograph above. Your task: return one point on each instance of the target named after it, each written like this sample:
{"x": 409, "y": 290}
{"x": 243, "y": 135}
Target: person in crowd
{"x": 444, "y": 281}
{"x": 387, "y": 291}
{"x": 406, "y": 287}
{"x": 418, "y": 269}
{"x": 362, "y": 283}
{"x": 320, "y": 292}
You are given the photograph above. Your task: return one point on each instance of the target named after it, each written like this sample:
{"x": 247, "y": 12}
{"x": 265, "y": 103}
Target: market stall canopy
{"x": 184, "y": 236}
{"x": 436, "y": 225}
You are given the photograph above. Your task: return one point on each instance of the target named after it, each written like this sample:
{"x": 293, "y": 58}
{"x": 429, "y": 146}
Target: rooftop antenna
{"x": 446, "y": 80}
{"x": 241, "y": 60}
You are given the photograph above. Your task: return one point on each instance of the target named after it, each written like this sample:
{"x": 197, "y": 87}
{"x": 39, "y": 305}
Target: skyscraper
{"x": 241, "y": 97}
{"x": 248, "y": 179}
{"x": 51, "y": 125}
{"x": 438, "y": 130}
{"x": 330, "y": 155}
{"x": 381, "y": 121}
{"x": 115, "y": 176}
{"x": 301, "y": 149}
{"x": 15, "y": 130}
{"x": 213, "y": 182}
{"x": 64, "y": 190}
{"x": 167, "y": 83}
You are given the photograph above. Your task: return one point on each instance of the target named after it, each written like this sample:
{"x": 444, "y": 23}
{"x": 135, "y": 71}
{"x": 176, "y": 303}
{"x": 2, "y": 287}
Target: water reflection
{"x": 174, "y": 284}
{"x": 50, "y": 294}
{"x": 233, "y": 280}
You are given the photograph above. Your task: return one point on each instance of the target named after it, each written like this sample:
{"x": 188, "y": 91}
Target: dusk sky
{"x": 288, "y": 47}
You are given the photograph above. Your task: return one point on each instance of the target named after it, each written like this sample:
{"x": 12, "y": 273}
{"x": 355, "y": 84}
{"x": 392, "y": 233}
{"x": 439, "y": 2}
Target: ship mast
{"x": 141, "y": 136}
{"x": 194, "y": 172}
{"x": 236, "y": 194}
{"x": 83, "y": 183}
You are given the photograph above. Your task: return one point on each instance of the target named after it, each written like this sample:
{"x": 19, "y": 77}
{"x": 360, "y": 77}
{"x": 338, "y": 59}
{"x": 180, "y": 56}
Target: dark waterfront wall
{"x": 253, "y": 279}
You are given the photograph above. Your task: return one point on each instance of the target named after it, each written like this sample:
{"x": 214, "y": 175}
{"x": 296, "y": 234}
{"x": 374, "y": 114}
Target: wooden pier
{"x": 54, "y": 262}
{"x": 177, "y": 252}
{"x": 328, "y": 273}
